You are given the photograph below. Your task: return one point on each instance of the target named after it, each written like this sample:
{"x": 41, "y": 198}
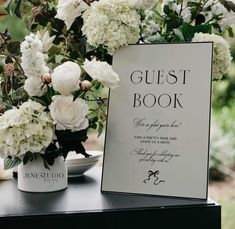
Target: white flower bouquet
{"x": 55, "y": 118}
{"x": 52, "y": 81}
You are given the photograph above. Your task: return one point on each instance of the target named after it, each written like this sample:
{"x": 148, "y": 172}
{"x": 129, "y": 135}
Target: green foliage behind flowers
{"x": 222, "y": 154}
{"x": 176, "y": 21}
{"x": 222, "y": 147}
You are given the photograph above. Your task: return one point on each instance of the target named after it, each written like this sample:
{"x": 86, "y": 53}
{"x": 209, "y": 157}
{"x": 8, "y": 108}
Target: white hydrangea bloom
{"x": 32, "y": 58}
{"x": 27, "y": 129}
{"x": 149, "y": 25}
{"x": 221, "y": 53}
{"x": 34, "y": 86}
{"x": 145, "y": 4}
{"x": 150, "y": 29}
{"x": 68, "y": 113}
{"x": 69, "y": 10}
{"x": 102, "y": 72}
{"x": 111, "y": 23}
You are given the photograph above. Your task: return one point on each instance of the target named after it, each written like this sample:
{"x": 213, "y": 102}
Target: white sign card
{"x": 157, "y": 136}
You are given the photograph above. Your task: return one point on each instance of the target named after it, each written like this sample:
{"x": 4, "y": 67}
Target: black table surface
{"x": 83, "y": 195}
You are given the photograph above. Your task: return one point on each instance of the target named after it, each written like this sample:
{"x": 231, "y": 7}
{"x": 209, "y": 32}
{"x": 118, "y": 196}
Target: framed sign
{"x": 157, "y": 136}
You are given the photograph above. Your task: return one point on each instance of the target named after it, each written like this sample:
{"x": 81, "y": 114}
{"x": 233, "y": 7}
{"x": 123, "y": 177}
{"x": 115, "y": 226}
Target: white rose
{"x": 69, "y": 114}
{"x": 103, "y": 72}
{"x": 65, "y": 78}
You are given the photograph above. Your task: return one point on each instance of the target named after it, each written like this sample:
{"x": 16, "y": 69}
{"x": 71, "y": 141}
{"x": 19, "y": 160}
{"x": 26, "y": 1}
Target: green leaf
{"x": 15, "y": 26}
{"x": 2, "y": 8}
{"x": 54, "y": 50}
{"x": 178, "y": 35}
{"x": 42, "y": 20}
{"x": 194, "y": 5}
{"x": 174, "y": 22}
{"x": 11, "y": 7}
{"x": 59, "y": 58}
{"x": 200, "y": 19}
{"x": 1, "y": 68}
{"x": 92, "y": 114}
{"x": 229, "y": 5}
{"x": 230, "y": 32}
{"x": 47, "y": 98}
{"x": 50, "y": 91}
{"x": 166, "y": 9}
{"x": 39, "y": 100}
{"x": 92, "y": 122}
{"x": 89, "y": 48}
{"x": 154, "y": 39}
{"x": 78, "y": 94}
{"x": 45, "y": 163}
{"x": 28, "y": 157}
{"x": 17, "y": 8}
{"x": 10, "y": 163}
{"x": 100, "y": 129}
{"x": 189, "y": 30}
{"x": 14, "y": 48}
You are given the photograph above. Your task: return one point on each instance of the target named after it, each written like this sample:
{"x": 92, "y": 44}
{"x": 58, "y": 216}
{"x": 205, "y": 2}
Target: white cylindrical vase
{"x": 34, "y": 177}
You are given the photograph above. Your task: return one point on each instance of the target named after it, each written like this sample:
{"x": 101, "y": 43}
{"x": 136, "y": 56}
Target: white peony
{"x": 101, "y": 71}
{"x": 34, "y": 86}
{"x": 69, "y": 114}
{"x": 111, "y": 24}
{"x": 221, "y": 53}
{"x": 68, "y": 10}
{"x": 27, "y": 129}
{"x": 65, "y": 78}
